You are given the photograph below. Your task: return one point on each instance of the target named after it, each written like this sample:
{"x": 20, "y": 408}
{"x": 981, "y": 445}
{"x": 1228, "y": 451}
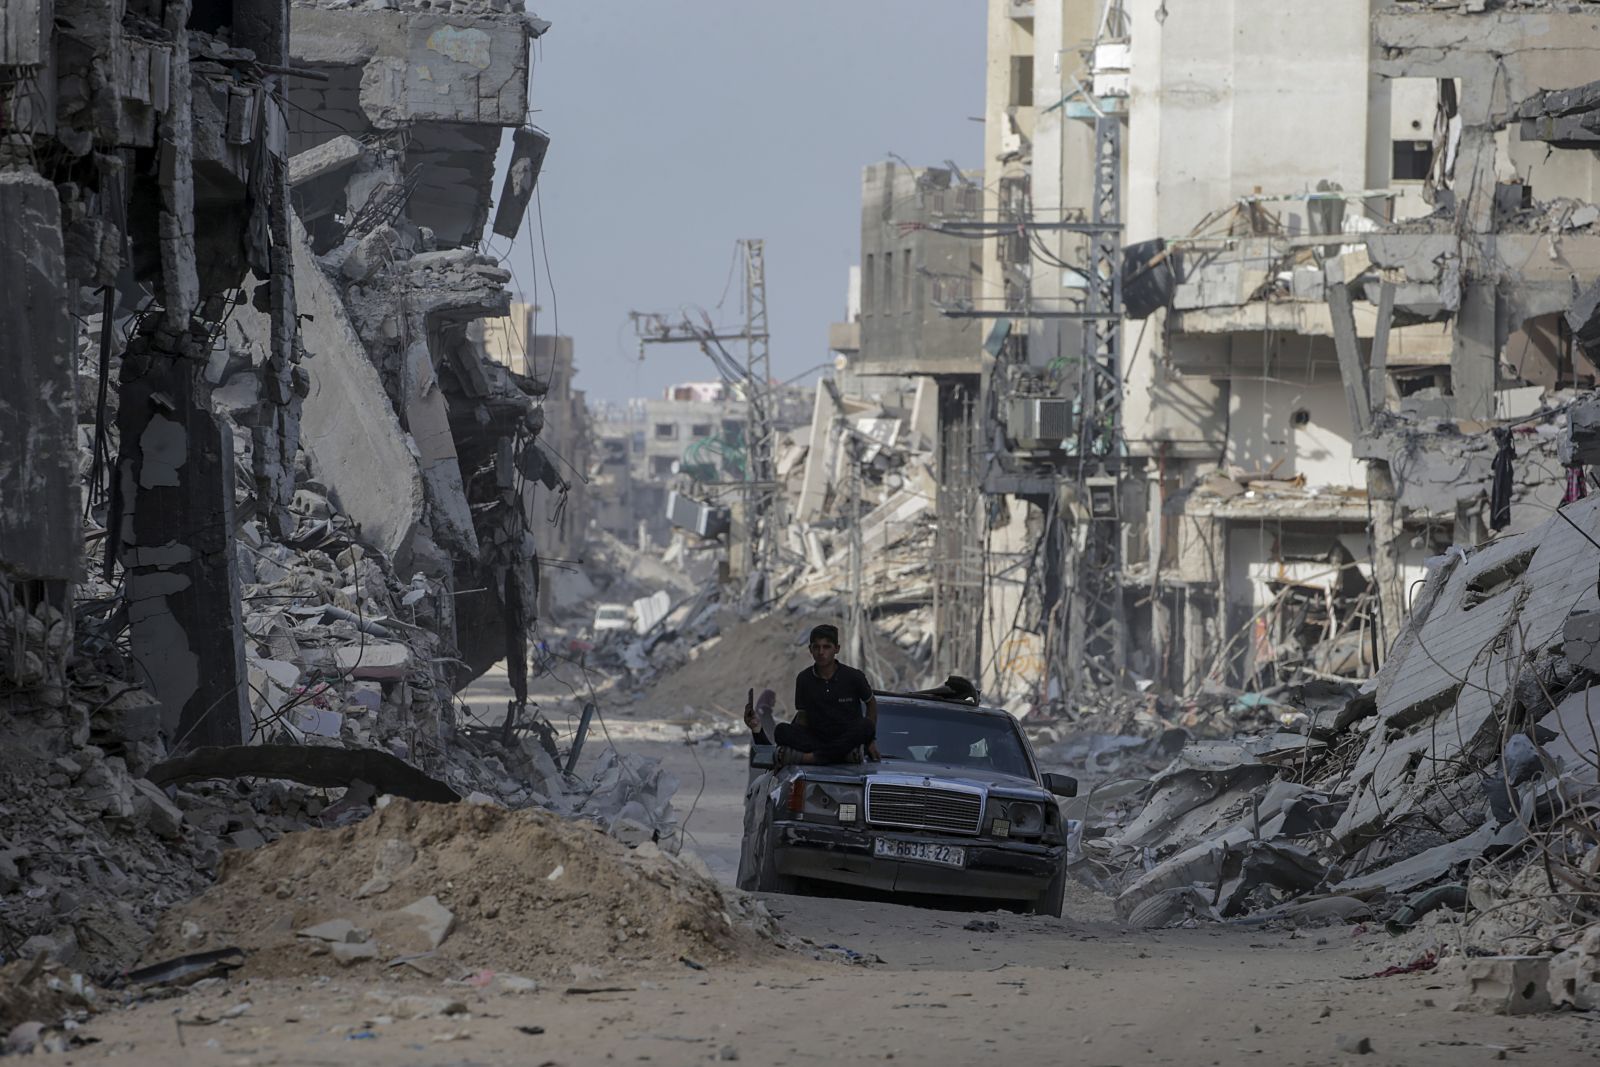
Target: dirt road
{"x": 951, "y": 988}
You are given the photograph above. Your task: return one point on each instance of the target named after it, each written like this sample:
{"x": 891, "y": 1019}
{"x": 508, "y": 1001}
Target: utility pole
{"x": 858, "y": 615}
{"x": 1097, "y": 596}
{"x": 761, "y": 497}
{"x": 753, "y": 377}
{"x": 1092, "y": 643}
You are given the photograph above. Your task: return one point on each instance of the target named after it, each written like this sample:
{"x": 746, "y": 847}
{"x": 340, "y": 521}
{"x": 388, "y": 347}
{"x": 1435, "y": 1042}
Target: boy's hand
{"x": 750, "y": 719}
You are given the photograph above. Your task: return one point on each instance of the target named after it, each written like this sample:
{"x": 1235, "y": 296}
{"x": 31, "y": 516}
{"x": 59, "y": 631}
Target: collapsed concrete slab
{"x": 348, "y": 427}
{"x": 1467, "y": 653}
{"x": 528, "y": 148}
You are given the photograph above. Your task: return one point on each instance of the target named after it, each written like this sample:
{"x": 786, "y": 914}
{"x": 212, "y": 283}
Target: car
{"x": 612, "y": 617}
{"x": 955, "y": 807}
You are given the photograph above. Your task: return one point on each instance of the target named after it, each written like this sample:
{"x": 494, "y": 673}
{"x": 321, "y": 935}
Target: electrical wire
{"x": 549, "y": 280}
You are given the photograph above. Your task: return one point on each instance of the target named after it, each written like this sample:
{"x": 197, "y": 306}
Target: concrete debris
{"x": 1505, "y": 985}
{"x": 1575, "y": 974}
{"x": 434, "y": 921}
{"x": 37, "y": 995}
{"x": 334, "y": 930}
{"x": 1423, "y": 801}
{"x": 254, "y": 385}
{"x": 411, "y": 1006}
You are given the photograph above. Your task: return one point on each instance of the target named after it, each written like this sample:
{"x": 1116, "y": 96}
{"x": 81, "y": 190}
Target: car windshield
{"x": 613, "y": 613}
{"x": 922, "y": 734}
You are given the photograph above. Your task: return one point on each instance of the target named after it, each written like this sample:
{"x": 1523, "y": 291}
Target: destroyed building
{"x": 1245, "y": 382}
{"x": 561, "y": 460}
{"x": 275, "y": 506}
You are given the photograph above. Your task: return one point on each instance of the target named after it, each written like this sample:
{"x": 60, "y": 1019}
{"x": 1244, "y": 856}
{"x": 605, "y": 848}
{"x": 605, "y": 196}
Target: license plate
{"x": 920, "y": 851}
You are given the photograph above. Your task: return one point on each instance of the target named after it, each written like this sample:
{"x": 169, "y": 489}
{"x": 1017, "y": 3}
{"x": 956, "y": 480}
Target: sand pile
{"x": 760, "y": 653}
{"x": 459, "y": 889}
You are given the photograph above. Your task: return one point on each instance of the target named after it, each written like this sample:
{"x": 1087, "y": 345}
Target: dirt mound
{"x": 765, "y": 652}
{"x": 465, "y": 888}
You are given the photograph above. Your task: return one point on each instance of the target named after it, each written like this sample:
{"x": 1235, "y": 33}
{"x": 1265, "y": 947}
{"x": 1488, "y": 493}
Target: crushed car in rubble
{"x": 956, "y": 807}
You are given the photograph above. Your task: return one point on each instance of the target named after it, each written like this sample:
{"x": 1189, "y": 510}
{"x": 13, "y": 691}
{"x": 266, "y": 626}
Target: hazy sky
{"x": 679, "y": 126}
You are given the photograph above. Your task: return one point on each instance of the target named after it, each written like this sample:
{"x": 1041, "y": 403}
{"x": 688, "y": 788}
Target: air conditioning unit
{"x": 1039, "y": 422}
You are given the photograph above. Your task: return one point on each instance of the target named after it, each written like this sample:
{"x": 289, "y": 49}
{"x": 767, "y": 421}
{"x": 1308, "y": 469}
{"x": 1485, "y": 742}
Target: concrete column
{"x": 276, "y": 432}
{"x": 174, "y": 534}
{"x": 1475, "y": 352}
{"x": 39, "y": 521}
{"x": 1474, "y": 173}
{"x": 1199, "y": 611}
{"x": 1161, "y": 619}
{"x": 1387, "y": 532}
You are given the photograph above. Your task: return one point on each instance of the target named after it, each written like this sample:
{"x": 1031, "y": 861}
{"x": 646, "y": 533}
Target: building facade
{"x": 1300, "y": 314}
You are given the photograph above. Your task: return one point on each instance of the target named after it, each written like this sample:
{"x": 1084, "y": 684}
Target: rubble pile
{"x": 1458, "y": 789}
{"x": 341, "y": 652}
{"x": 101, "y": 832}
{"x": 31, "y": 990}
{"x": 90, "y": 851}
{"x": 705, "y": 656}
{"x": 343, "y": 658}
{"x": 459, "y": 889}
{"x": 865, "y": 479}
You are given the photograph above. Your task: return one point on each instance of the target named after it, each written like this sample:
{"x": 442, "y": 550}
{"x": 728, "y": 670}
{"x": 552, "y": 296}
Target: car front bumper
{"x": 1016, "y": 870}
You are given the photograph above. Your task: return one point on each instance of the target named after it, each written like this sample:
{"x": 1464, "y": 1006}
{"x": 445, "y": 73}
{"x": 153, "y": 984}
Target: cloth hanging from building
{"x": 1577, "y": 487}
{"x": 1500, "y": 487}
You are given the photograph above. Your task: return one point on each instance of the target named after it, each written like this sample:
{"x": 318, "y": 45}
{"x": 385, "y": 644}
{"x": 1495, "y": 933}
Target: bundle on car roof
{"x": 955, "y": 689}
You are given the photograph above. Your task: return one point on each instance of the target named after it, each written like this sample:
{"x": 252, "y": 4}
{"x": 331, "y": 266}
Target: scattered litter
{"x": 1425, "y": 962}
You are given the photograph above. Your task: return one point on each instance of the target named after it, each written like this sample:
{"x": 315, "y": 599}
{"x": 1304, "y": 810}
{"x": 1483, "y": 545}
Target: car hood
{"x": 937, "y": 772}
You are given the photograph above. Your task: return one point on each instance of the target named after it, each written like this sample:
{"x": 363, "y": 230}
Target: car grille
{"x": 923, "y": 808}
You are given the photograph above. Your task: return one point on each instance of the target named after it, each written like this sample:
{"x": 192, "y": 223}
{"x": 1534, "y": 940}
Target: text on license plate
{"x": 921, "y": 851}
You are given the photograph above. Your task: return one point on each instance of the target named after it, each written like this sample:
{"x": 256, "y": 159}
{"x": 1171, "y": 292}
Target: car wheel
{"x": 748, "y": 870}
{"x": 1054, "y": 897}
{"x": 767, "y": 879}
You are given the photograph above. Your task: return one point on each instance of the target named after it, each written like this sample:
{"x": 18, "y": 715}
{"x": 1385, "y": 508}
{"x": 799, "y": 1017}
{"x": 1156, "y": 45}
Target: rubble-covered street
{"x": 1201, "y": 470}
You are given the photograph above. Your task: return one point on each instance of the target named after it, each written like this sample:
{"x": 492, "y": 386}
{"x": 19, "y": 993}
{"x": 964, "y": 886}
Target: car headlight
{"x": 1017, "y": 818}
{"x": 837, "y": 803}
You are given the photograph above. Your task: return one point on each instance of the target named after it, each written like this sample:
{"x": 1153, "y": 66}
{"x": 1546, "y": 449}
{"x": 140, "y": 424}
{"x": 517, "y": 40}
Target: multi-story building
{"x": 912, "y": 317}
{"x": 616, "y": 440}
{"x": 694, "y": 433}
{"x": 911, "y": 269}
{"x": 1335, "y": 236}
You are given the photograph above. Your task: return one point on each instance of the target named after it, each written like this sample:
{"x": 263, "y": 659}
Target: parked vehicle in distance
{"x": 612, "y": 617}
{"x": 955, "y": 807}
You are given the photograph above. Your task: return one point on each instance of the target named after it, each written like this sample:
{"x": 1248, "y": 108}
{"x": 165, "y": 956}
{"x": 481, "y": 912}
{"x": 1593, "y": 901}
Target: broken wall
{"x": 38, "y": 387}
{"x": 1222, "y": 96}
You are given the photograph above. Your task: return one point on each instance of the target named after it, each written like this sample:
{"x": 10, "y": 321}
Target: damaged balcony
{"x": 435, "y": 89}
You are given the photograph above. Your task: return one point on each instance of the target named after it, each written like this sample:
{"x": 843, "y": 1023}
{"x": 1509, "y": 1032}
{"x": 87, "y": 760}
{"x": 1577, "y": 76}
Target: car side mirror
{"x": 765, "y": 757}
{"x": 1062, "y": 785}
